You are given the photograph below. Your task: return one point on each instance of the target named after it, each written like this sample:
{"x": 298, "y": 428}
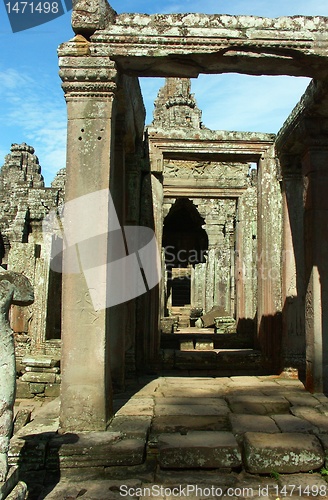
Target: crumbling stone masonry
{"x": 24, "y": 248}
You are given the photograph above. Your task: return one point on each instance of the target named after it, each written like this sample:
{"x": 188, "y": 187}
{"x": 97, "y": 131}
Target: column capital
{"x": 83, "y": 74}
{"x": 290, "y": 165}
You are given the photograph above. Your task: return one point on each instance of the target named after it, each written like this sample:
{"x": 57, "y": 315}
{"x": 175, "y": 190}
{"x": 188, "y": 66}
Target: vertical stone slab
{"x": 246, "y": 260}
{"x": 89, "y": 84}
{"x": 293, "y": 332}
{"x": 315, "y": 162}
{"x": 269, "y": 258}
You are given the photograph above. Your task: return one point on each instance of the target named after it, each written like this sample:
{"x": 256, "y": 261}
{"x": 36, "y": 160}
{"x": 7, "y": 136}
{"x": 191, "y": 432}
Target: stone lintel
{"x": 207, "y": 145}
{"x": 204, "y": 191}
{"x": 208, "y": 136}
{"x": 148, "y": 45}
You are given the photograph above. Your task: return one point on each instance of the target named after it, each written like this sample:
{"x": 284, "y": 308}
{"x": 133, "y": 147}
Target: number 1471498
{"x": 32, "y": 7}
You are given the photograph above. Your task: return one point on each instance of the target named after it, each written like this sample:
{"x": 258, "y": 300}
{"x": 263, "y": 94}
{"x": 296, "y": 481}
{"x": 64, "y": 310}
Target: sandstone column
{"x": 89, "y": 83}
{"x": 269, "y": 258}
{"x": 315, "y": 170}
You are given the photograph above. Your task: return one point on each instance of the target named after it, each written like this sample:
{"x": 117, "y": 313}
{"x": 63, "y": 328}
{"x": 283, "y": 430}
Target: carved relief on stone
{"x": 86, "y": 76}
{"x": 226, "y": 174}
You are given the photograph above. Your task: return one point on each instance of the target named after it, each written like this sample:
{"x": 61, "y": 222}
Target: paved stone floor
{"x": 196, "y": 437}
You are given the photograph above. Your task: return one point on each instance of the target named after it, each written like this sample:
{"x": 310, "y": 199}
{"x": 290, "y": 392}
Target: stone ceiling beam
{"x": 307, "y": 125}
{"x": 190, "y": 44}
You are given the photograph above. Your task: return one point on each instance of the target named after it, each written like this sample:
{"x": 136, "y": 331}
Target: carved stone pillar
{"x": 89, "y": 83}
{"x": 315, "y": 171}
{"x": 293, "y": 331}
{"x": 269, "y": 259}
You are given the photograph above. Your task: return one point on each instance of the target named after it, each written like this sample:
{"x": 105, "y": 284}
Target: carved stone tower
{"x": 176, "y": 107}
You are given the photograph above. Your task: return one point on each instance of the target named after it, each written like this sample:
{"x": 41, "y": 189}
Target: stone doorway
{"x": 185, "y": 245}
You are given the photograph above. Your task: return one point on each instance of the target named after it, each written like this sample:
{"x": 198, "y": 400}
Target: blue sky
{"x": 33, "y": 109}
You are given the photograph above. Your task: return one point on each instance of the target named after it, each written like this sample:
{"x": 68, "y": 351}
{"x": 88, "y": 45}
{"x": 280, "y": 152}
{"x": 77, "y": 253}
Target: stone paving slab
{"x": 252, "y": 423}
{"x": 282, "y": 453}
{"x": 310, "y": 485}
{"x": 131, "y": 426}
{"x": 198, "y": 449}
{"x": 169, "y": 424}
{"x": 191, "y": 410}
{"x": 137, "y": 406}
{"x": 290, "y": 423}
{"x": 214, "y": 401}
{"x": 258, "y": 405}
{"x": 191, "y": 391}
{"x": 319, "y": 421}
{"x": 324, "y": 441}
{"x": 302, "y": 399}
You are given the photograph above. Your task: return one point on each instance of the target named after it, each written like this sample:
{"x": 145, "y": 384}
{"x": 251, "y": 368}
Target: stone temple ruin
{"x": 241, "y": 218}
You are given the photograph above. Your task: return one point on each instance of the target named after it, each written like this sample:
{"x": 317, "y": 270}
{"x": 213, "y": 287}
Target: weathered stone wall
{"x": 24, "y": 203}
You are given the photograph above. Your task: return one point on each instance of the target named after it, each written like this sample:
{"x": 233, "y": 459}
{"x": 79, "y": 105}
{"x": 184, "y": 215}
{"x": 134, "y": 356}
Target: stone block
{"x": 131, "y": 426}
{"x": 23, "y": 390}
{"x": 40, "y": 361}
{"x": 204, "y": 345}
{"x": 199, "y": 450}
{"x": 190, "y": 410}
{"x": 208, "y": 319}
{"x": 324, "y": 441}
{"x": 186, "y": 345}
{"x": 290, "y": 423}
{"x": 22, "y": 418}
{"x": 283, "y": 453}
{"x": 148, "y": 390}
{"x": 195, "y": 391}
{"x": 37, "y": 388}
{"x": 52, "y": 390}
{"x": 168, "y": 424}
{"x": 309, "y": 484}
{"x": 95, "y": 449}
{"x": 8, "y": 485}
{"x": 39, "y": 377}
{"x": 137, "y": 406}
{"x": 258, "y": 405}
{"x": 196, "y": 360}
{"x": 217, "y": 402}
{"x": 19, "y": 492}
{"x": 320, "y": 422}
{"x": 301, "y": 399}
{"x": 55, "y": 369}
{"x": 240, "y": 424}
{"x": 167, "y": 324}
{"x": 28, "y": 453}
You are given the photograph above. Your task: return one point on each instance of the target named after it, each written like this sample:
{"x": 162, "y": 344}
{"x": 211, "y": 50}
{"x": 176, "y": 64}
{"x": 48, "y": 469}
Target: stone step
{"x": 193, "y": 334}
{"x": 286, "y": 453}
{"x": 198, "y": 450}
{"x": 221, "y": 362}
{"x": 263, "y": 452}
